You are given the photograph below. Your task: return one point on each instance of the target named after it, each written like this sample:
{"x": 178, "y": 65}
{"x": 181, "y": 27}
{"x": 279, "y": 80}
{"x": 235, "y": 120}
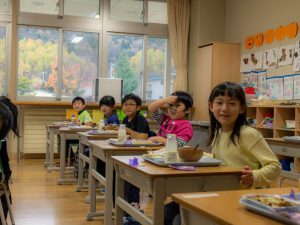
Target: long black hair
{"x": 14, "y": 111}
{"x": 6, "y": 120}
{"x": 232, "y": 90}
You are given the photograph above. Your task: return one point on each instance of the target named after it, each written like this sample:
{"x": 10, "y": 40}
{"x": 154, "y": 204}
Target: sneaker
{"x": 128, "y": 220}
{"x": 102, "y": 190}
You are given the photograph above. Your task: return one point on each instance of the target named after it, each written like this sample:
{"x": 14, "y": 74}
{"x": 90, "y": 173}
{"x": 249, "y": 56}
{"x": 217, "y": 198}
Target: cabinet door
{"x": 226, "y": 63}
{"x": 202, "y": 83}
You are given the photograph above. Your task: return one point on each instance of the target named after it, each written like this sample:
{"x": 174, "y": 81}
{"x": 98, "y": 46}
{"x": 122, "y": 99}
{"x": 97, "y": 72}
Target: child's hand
{"x": 247, "y": 177}
{"x": 158, "y": 139}
{"x": 171, "y": 100}
{"x": 111, "y": 127}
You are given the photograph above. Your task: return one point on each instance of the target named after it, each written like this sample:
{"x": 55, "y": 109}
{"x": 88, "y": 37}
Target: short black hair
{"x": 78, "y": 99}
{"x": 185, "y": 98}
{"x": 107, "y": 100}
{"x": 133, "y": 97}
{"x": 14, "y": 111}
{"x": 7, "y": 120}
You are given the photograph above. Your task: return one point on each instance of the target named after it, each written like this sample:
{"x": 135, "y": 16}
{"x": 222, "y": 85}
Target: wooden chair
{"x": 4, "y": 191}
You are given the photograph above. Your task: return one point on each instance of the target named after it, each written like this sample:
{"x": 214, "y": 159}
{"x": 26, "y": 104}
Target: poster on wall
{"x": 275, "y": 87}
{"x": 246, "y": 65}
{"x": 285, "y": 55}
{"x": 270, "y": 57}
{"x": 256, "y": 60}
{"x": 262, "y": 82}
{"x": 288, "y": 87}
{"x": 297, "y": 86}
{"x": 296, "y": 64}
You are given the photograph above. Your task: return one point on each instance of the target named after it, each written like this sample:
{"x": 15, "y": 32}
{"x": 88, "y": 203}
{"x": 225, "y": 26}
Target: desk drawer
{"x": 286, "y": 150}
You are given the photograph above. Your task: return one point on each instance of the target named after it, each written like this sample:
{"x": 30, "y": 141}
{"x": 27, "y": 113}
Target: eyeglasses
{"x": 129, "y": 104}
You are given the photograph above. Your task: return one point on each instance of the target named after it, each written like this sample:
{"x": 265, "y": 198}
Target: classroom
{"x": 149, "y": 112}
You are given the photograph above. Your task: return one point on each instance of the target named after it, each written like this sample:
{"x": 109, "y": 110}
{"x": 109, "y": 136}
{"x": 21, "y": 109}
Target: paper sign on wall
{"x": 270, "y": 58}
{"x": 297, "y": 86}
{"x": 262, "y": 82}
{"x": 288, "y": 87}
{"x": 285, "y": 55}
{"x": 296, "y": 65}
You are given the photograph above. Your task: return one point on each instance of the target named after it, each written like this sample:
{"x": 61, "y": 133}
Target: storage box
{"x": 290, "y": 124}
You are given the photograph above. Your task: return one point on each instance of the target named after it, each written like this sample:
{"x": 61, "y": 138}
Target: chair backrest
{"x": 69, "y": 113}
{"x": 97, "y": 115}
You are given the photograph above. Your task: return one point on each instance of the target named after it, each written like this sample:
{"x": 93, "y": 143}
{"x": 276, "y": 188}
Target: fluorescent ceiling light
{"x": 76, "y": 40}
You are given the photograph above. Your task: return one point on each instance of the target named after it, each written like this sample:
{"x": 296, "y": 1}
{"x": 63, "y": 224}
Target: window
{"x": 2, "y": 60}
{"x": 80, "y": 64}
{"x": 156, "y": 67}
{"x": 157, "y": 12}
{"x": 134, "y": 47}
{"x": 127, "y": 10}
{"x": 37, "y": 64}
{"x": 125, "y": 54}
{"x": 5, "y": 6}
{"x": 84, "y": 8}
{"x": 50, "y": 7}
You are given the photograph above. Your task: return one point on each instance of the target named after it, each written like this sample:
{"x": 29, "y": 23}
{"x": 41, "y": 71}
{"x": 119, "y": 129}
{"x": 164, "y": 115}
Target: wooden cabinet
{"x": 280, "y": 115}
{"x": 274, "y": 133}
{"x": 216, "y": 63}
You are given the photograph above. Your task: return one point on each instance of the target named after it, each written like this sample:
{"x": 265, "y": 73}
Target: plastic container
{"x": 101, "y": 125}
{"x": 122, "y": 133}
{"x": 171, "y": 149}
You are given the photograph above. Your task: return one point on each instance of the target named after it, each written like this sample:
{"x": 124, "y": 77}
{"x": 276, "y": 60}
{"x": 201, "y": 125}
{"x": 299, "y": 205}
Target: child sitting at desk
{"x": 235, "y": 143}
{"x": 137, "y": 127}
{"x": 179, "y": 105}
{"x": 84, "y": 117}
{"x": 107, "y": 106}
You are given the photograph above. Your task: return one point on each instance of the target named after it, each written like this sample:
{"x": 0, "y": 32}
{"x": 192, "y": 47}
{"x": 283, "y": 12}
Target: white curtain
{"x": 179, "y": 20}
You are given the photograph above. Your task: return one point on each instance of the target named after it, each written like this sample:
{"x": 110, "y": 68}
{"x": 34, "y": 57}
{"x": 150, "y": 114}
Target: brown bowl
{"x": 190, "y": 154}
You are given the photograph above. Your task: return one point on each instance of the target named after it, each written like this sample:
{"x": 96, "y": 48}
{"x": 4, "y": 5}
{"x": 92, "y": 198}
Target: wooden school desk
{"x": 103, "y": 151}
{"x": 161, "y": 182}
{"x": 65, "y": 134}
{"x": 223, "y": 209}
{"x": 51, "y": 131}
{"x": 84, "y": 138}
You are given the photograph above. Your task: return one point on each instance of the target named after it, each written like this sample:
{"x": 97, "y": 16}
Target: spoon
{"x": 196, "y": 146}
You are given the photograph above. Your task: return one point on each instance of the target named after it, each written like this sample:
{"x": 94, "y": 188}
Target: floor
{"x": 38, "y": 200}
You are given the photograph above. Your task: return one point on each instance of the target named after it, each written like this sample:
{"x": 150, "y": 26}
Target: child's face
{"x": 78, "y": 106}
{"x": 106, "y": 109}
{"x": 177, "y": 111}
{"x": 226, "y": 111}
{"x": 130, "y": 107}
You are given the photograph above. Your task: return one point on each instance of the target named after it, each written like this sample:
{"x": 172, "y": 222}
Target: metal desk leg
{"x": 48, "y": 140}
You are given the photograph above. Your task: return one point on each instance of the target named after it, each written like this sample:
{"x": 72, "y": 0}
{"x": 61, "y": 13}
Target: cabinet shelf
{"x": 262, "y": 127}
{"x": 286, "y": 129}
{"x": 290, "y": 174}
{"x": 281, "y": 148}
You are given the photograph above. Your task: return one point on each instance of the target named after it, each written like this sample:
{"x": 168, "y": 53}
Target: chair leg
{"x": 69, "y": 155}
{"x": 3, "y": 220}
{"x": 9, "y": 206}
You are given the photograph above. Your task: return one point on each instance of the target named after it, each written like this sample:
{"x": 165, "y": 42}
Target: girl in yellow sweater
{"x": 235, "y": 143}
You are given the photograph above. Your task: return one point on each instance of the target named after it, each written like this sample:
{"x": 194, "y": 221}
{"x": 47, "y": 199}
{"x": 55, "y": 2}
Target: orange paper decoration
{"x": 291, "y": 30}
{"x": 269, "y": 36}
{"x": 258, "y": 39}
{"x": 249, "y": 42}
{"x": 280, "y": 33}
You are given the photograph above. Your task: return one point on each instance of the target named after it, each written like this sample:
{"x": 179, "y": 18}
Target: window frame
{"x": 104, "y": 26}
